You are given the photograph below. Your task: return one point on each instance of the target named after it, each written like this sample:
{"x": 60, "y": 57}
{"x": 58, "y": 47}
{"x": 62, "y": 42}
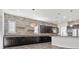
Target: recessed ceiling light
{"x": 58, "y": 13}
{"x": 70, "y": 10}
{"x": 64, "y": 17}
{"x": 33, "y": 9}
{"x": 71, "y": 25}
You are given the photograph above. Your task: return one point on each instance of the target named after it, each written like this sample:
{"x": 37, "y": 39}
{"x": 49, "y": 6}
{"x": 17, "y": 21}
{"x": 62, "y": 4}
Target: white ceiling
{"x": 48, "y": 15}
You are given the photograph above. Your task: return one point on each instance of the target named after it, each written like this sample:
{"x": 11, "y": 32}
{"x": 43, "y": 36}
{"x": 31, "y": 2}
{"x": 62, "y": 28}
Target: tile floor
{"x": 46, "y": 45}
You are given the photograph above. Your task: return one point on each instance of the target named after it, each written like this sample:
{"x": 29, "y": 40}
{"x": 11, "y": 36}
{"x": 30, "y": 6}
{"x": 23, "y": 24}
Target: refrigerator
{"x": 74, "y": 32}
{"x": 78, "y": 32}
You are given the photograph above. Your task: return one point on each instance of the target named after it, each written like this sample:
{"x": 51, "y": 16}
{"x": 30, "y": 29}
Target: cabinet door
{"x": 18, "y": 41}
{"x": 9, "y": 42}
{"x": 35, "y": 39}
{"x": 45, "y": 39}
{"x": 27, "y": 40}
{"x": 30, "y": 40}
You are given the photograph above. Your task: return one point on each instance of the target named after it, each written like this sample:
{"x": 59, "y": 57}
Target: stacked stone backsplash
{"x": 22, "y": 24}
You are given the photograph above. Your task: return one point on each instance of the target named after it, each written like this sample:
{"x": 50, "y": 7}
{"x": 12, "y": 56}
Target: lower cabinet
{"x": 45, "y": 39}
{"x": 15, "y": 41}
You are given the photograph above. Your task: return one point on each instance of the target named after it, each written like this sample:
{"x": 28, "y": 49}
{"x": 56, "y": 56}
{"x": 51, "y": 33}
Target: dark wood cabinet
{"x": 45, "y": 39}
{"x": 45, "y": 29}
{"x": 15, "y": 41}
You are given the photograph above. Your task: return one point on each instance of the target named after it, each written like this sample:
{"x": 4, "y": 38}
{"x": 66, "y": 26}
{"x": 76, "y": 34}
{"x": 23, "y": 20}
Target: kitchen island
{"x": 65, "y": 41}
{"x": 61, "y": 41}
{"x": 15, "y": 40}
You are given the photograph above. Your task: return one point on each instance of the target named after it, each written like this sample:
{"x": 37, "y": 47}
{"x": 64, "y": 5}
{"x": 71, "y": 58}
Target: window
{"x": 11, "y": 27}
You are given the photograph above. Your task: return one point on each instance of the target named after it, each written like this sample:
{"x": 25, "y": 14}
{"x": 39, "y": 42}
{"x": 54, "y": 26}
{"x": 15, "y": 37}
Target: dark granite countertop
{"x": 29, "y": 35}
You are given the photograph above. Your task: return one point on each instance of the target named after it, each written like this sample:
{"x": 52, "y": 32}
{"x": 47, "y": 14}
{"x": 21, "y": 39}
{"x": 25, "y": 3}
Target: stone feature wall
{"x": 23, "y": 25}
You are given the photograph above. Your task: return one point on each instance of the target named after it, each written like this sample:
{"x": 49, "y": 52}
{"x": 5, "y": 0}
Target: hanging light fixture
{"x": 33, "y": 24}
{"x": 70, "y": 18}
{"x": 71, "y": 25}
